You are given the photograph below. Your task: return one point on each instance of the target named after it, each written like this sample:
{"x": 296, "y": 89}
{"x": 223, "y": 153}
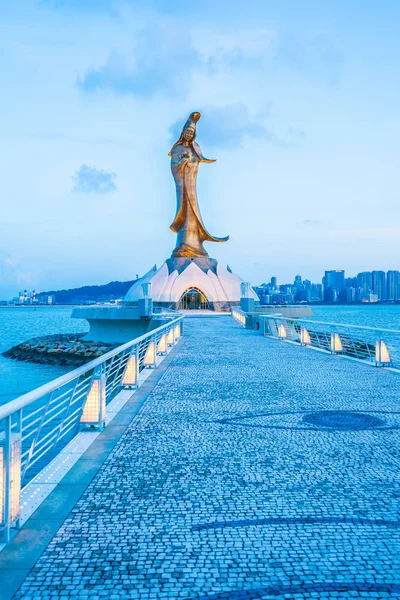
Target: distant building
{"x": 298, "y": 282}
{"x": 393, "y": 285}
{"x": 364, "y": 281}
{"x": 334, "y": 286}
{"x": 46, "y": 299}
{"x": 379, "y": 284}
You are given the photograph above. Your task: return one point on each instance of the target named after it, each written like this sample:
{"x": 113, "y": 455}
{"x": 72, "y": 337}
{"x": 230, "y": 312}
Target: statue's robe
{"x": 188, "y": 223}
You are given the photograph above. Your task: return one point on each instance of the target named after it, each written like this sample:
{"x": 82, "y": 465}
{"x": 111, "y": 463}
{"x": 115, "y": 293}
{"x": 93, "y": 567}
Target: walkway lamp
{"x": 177, "y": 331}
{"x": 170, "y": 337}
{"x": 162, "y": 345}
{"x": 150, "y": 356}
{"x": 305, "y": 339}
{"x": 94, "y": 410}
{"x": 336, "y": 343}
{"x": 382, "y": 356}
{"x": 282, "y": 333}
{"x": 131, "y": 376}
{"x": 10, "y": 481}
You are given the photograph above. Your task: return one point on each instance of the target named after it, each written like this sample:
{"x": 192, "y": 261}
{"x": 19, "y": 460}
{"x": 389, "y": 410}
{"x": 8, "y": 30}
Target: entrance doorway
{"x": 193, "y": 299}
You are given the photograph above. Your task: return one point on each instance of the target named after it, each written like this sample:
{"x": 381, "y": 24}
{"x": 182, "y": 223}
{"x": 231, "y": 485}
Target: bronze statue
{"x": 185, "y": 158}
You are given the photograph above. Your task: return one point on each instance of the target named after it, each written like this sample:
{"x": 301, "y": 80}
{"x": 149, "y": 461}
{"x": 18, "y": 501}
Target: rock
{"x": 67, "y": 350}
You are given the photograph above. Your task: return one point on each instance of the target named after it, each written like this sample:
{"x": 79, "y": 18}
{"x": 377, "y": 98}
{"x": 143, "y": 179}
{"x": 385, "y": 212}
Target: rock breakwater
{"x": 63, "y": 350}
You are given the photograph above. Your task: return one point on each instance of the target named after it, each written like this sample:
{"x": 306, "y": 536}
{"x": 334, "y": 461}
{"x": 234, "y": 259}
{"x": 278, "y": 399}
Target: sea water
{"x": 20, "y": 324}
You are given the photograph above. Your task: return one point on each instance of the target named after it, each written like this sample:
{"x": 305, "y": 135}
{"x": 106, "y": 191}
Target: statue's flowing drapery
{"x": 188, "y": 223}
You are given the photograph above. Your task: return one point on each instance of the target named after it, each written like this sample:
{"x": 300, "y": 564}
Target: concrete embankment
{"x": 67, "y": 349}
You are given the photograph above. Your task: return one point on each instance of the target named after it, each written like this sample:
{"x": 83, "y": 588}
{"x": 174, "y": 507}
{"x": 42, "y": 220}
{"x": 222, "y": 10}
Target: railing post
{"x": 94, "y": 408}
{"x": 10, "y": 477}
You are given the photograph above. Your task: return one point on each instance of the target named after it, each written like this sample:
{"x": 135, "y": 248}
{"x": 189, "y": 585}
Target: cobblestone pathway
{"x": 225, "y": 486}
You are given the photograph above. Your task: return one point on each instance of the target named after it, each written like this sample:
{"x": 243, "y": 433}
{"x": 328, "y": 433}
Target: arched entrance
{"x": 193, "y": 299}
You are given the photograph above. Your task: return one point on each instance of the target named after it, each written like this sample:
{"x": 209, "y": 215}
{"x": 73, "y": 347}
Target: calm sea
{"x": 20, "y": 324}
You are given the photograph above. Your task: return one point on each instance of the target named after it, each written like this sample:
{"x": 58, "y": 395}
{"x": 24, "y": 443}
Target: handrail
{"x": 376, "y": 346}
{"x": 22, "y": 401}
{"x": 312, "y": 322}
{"x": 36, "y": 426}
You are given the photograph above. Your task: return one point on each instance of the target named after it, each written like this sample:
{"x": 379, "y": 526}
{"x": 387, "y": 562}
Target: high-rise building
{"x": 334, "y": 286}
{"x": 393, "y": 285}
{"x": 364, "y": 281}
{"x": 379, "y": 284}
{"x": 298, "y": 282}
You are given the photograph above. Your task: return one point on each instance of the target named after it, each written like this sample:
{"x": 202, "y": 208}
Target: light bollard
{"x": 162, "y": 345}
{"x": 131, "y": 375}
{"x": 282, "y": 333}
{"x": 177, "y": 331}
{"x": 170, "y": 337}
{"x": 10, "y": 481}
{"x": 94, "y": 410}
{"x": 305, "y": 339}
{"x": 150, "y": 356}
{"x": 382, "y": 356}
{"x": 336, "y": 343}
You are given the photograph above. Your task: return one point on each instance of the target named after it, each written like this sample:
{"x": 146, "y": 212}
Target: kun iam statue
{"x": 189, "y": 278}
{"x": 185, "y": 159}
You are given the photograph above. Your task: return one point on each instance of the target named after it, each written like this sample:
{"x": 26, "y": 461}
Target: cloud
{"x": 90, "y": 180}
{"x": 163, "y": 60}
{"x": 227, "y": 126}
{"x": 309, "y": 223}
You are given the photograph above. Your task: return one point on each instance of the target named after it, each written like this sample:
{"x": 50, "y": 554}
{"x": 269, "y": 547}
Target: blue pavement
{"x": 235, "y": 481}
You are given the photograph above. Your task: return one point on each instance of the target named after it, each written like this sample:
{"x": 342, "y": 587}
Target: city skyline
{"x": 297, "y": 110}
{"x": 335, "y": 286}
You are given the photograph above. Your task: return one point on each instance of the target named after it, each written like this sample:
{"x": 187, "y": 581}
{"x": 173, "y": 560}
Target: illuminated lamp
{"x": 304, "y": 337}
{"x": 282, "y": 333}
{"x": 131, "y": 375}
{"x": 94, "y": 410}
{"x": 150, "y": 356}
{"x": 382, "y": 356}
{"x": 162, "y": 345}
{"x": 336, "y": 343}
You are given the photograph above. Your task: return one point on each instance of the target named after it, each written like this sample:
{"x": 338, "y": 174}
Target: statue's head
{"x": 189, "y": 128}
{"x": 188, "y": 133}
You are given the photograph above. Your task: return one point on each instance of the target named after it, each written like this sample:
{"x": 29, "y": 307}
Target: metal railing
{"x": 37, "y": 425}
{"x": 379, "y": 347}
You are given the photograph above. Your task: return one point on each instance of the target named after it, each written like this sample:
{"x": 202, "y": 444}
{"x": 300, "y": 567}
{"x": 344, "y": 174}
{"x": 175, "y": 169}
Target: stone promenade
{"x": 233, "y": 482}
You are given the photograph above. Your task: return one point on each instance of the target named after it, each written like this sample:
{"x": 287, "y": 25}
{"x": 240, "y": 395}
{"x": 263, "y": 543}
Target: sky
{"x": 299, "y": 104}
